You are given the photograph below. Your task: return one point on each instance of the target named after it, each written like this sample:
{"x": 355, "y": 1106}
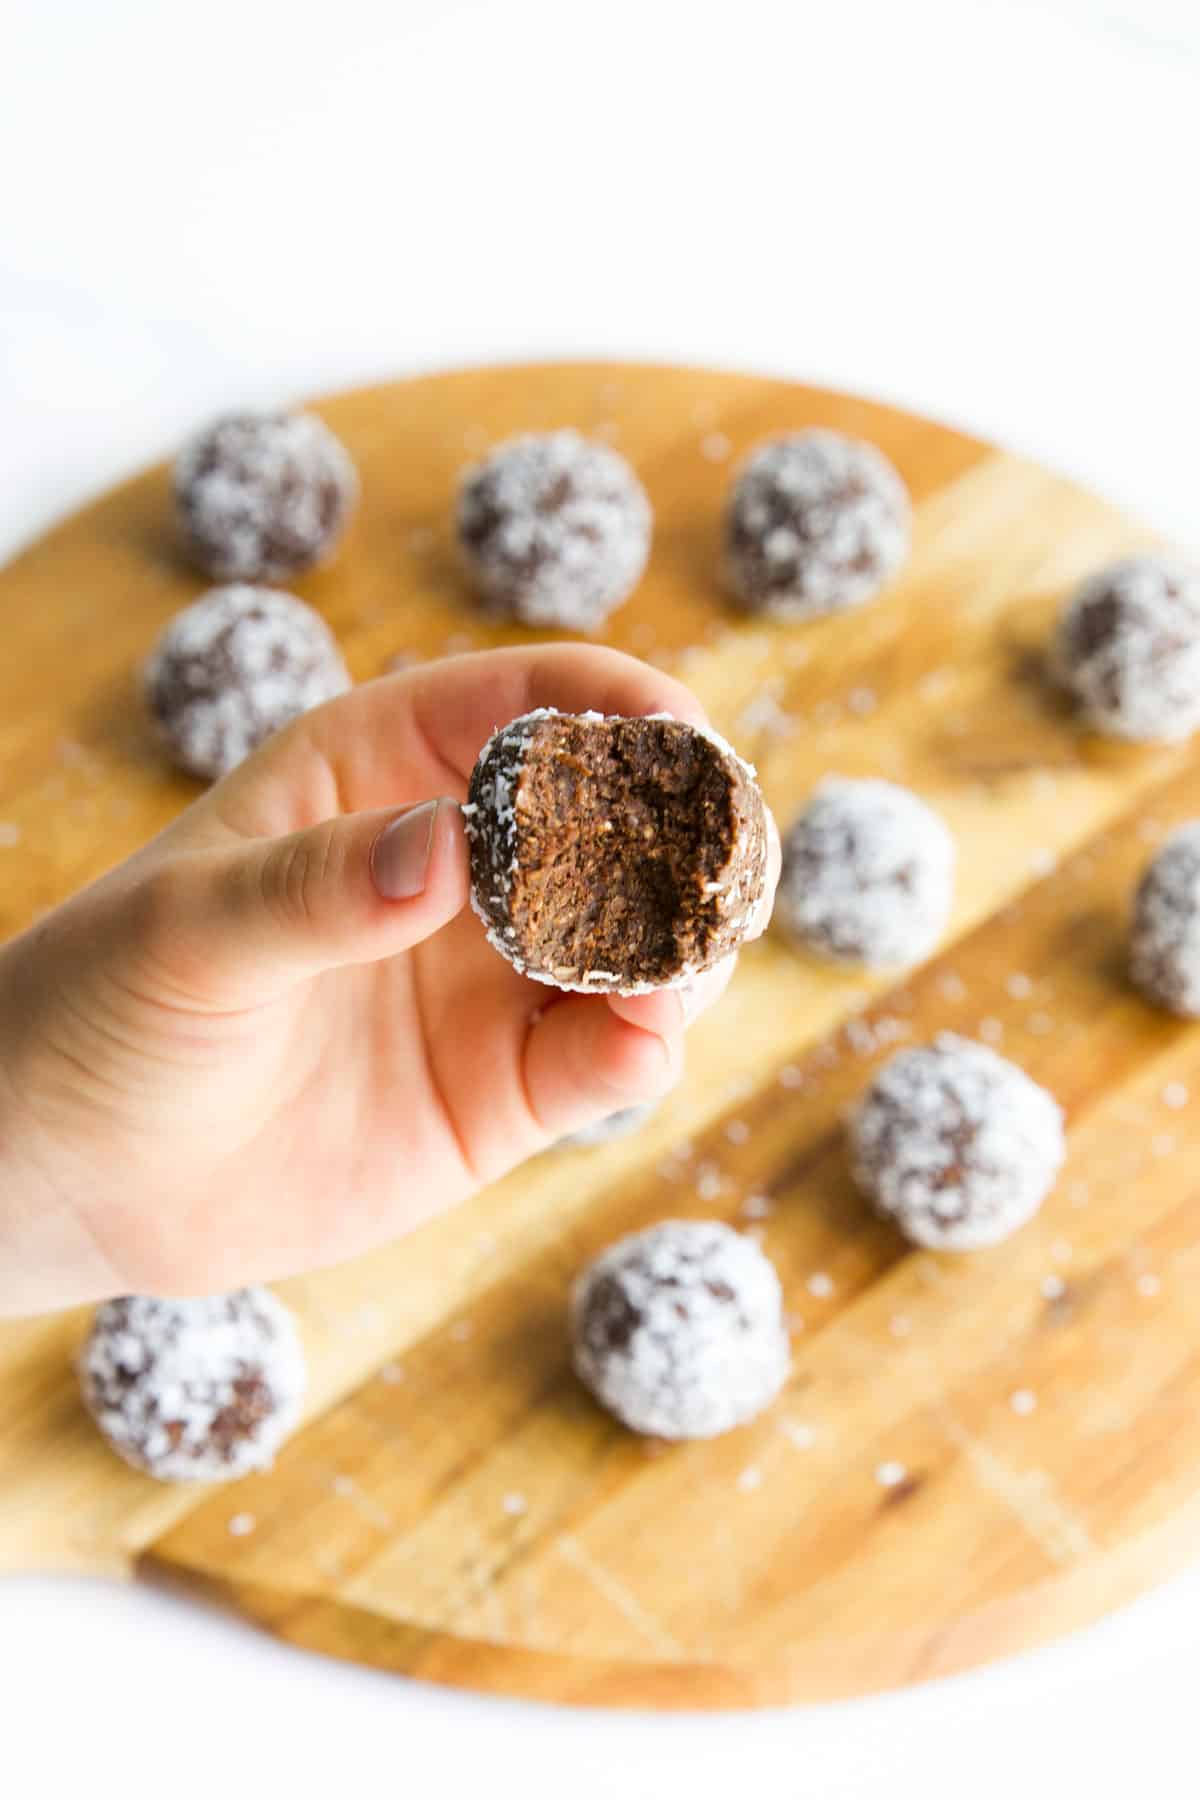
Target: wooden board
{"x": 457, "y": 1508}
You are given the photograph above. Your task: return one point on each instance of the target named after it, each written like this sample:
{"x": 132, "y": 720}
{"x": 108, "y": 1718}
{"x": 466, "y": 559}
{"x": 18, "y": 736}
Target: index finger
{"x": 416, "y": 735}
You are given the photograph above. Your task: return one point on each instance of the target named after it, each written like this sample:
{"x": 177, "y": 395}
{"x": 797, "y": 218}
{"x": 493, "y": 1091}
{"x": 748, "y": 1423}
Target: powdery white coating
{"x": 741, "y": 906}
{"x": 868, "y": 874}
{"x": 955, "y": 1144}
{"x": 679, "y": 1330}
{"x": 556, "y": 529}
{"x": 1128, "y": 647}
{"x": 194, "y": 1390}
{"x": 815, "y": 523}
{"x": 234, "y": 667}
{"x": 1164, "y": 944}
{"x": 261, "y": 496}
{"x": 605, "y": 1131}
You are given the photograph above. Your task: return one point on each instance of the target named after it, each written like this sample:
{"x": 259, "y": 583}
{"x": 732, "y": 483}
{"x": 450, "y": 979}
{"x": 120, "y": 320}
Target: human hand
{"x": 277, "y": 1035}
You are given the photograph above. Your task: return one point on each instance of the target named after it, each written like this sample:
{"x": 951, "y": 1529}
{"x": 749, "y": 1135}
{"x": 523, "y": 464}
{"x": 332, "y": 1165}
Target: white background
{"x": 983, "y": 210}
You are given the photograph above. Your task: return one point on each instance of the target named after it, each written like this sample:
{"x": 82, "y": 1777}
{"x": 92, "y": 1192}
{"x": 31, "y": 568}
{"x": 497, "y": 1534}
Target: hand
{"x": 277, "y": 1035}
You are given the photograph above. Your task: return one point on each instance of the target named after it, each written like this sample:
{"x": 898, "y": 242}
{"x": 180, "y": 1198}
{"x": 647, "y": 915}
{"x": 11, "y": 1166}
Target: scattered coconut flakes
{"x": 1147, "y": 1286}
{"x": 242, "y": 1524}
{"x": 1039, "y": 1024}
{"x": 820, "y": 1285}
{"x": 715, "y": 446}
{"x": 737, "y": 1131}
{"x": 862, "y": 701}
{"x": 860, "y": 1037}
{"x": 900, "y": 1325}
{"x": 10, "y": 835}
{"x": 392, "y": 1374}
{"x": 1175, "y": 1095}
{"x": 461, "y": 1330}
{"x": 799, "y": 1436}
{"x": 826, "y": 713}
{"x": 1019, "y": 986}
{"x": 1079, "y": 1193}
{"x": 1053, "y": 1287}
{"x": 1061, "y": 1251}
{"x": 890, "y": 1474}
{"x": 790, "y": 1076}
{"x": 344, "y": 1486}
{"x": 952, "y": 987}
{"x": 1162, "y": 1143}
{"x": 934, "y": 684}
{"x": 757, "y": 1206}
{"x": 514, "y": 1505}
{"x": 1023, "y": 1401}
{"x": 1043, "y": 862}
{"x": 749, "y": 1479}
{"x": 710, "y": 1183}
{"x": 792, "y": 1322}
{"x": 991, "y": 1031}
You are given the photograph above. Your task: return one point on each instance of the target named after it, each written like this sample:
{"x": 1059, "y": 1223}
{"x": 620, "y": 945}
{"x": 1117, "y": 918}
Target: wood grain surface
{"x": 456, "y": 1507}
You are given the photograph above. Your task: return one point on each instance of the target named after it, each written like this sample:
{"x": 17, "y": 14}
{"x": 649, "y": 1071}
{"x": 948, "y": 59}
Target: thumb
{"x": 350, "y": 890}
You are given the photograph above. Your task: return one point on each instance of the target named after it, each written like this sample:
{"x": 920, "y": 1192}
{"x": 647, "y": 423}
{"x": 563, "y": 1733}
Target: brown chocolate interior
{"x": 622, "y": 826}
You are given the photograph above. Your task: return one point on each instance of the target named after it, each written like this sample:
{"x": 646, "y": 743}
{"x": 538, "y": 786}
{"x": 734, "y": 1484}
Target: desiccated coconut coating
{"x": 605, "y": 1131}
{"x": 679, "y": 1330}
{"x": 955, "y": 1144}
{"x": 614, "y": 855}
{"x": 1164, "y": 945}
{"x": 815, "y": 523}
{"x": 233, "y": 667}
{"x": 194, "y": 1390}
{"x": 1128, "y": 647}
{"x": 556, "y": 529}
{"x": 868, "y": 874}
{"x": 261, "y": 496}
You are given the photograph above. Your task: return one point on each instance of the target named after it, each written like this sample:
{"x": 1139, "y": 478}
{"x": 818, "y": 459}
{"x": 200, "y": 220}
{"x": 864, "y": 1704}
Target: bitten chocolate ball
{"x": 956, "y": 1145}
{"x": 1164, "y": 945}
{"x": 194, "y": 1390}
{"x": 261, "y": 496}
{"x": 868, "y": 874}
{"x": 556, "y": 530}
{"x": 815, "y": 523}
{"x": 607, "y": 1131}
{"x": 614, "y": 855}
{"x": 1128, "y": 648}
{"x": 679, "y": 1330}
{"x": 232, "y": 668}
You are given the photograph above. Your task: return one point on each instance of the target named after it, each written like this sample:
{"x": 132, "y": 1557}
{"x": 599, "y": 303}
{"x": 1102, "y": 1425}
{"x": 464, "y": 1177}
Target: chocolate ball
{"x": 261, "y": 496}
{"x": 679, "y": 1330}
{"x": 1128, "y": 648}
{"x": 815, "y": 523}
{"x": 614, "y": 855}
{"x": 194, "y": 1390}
{"x": 955, "y": 1144}
{"x": 868, "y": 874}
{"x": 556, "y": 530}
{"x": 1164, "y": 947}
{"x": 234, "y": 667}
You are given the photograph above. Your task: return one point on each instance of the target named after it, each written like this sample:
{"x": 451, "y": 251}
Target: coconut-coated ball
{"x": 1128, "y": 648}
{"x": 194, "y": 1390}
{"x": 234, "y": 667}
{"x": 868, "y": 874}
{"x": 555, "y": 529}
{"x": 815, "y": 523}
{"x": 955, "y": 1144}
{"x": 679, "y": 1330}
{"x": 1164, "y": 945}
{"x": 262, "y": 496}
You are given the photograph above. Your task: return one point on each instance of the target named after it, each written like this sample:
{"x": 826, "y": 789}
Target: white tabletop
{"x": 984, "y": 210}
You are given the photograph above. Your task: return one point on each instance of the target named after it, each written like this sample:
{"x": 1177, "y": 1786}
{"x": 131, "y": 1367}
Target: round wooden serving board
{"x": 456, "y": 1508}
